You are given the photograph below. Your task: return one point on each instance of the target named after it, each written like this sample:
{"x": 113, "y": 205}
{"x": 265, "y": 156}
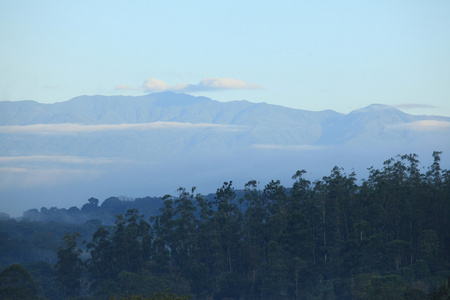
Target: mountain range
{"x": 149, "y": 145}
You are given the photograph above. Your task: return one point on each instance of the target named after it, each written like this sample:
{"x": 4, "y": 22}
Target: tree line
{"x": 383, "y": 237}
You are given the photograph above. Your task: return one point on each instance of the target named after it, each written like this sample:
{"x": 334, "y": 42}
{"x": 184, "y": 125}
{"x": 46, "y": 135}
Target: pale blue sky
{"x": 340, "y": 55}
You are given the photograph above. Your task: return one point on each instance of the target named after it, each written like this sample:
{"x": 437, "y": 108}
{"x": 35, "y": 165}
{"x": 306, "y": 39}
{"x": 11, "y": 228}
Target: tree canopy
{"x": 382, "y": 237}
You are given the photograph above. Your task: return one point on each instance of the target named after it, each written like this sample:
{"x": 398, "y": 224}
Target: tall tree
{"x": 227, "y": 220}
{"x": 69, "y": 265}
{"x": 162, "y": 229}
{"x": 255, "y": 234}
{"x": 184, "y": 229}
{"x": 101, "y": 262}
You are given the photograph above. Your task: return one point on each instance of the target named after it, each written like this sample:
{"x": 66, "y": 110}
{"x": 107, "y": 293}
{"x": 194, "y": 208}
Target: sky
{"x": 313, "y": 55}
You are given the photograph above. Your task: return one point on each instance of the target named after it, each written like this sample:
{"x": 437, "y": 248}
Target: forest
{"x": 382, "y": 237}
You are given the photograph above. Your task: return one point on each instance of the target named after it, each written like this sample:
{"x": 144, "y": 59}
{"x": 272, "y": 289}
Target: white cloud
{"x": 218, "y": 83}
{"x": 424, "y": 125}
{"x": 12, "y": 170}
{"x": 208, "y": 84}
{"x": 67, "y": 128}
{"x": 153, "y": 84}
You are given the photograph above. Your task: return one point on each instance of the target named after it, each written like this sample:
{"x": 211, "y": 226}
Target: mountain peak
{"x": 375, "y": 108}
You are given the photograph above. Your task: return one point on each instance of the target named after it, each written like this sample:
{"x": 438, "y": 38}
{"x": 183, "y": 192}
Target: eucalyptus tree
{"x": 275, "y": 198}
{"x": 227, "y": 231}
{"x": 69, "y": 266}
{"x": 184, "y": 230}
{"x": 202, "y": 272}
{"x": 301, "y": 219}
{"x": 436, "y": 210}
{"x": 101, "y": 262}
{"x": 255, "y": 234}
{"x": 341, "y": 191}
{"x": 275, "y": 266}
{"x": 118, "y": 253}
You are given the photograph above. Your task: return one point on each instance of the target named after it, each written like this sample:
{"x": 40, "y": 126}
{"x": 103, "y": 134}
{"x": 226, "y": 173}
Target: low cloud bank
{"x": 288, "y": 147}
{"x": 73, "y": 128}
{"x": 424, "y": 125}
{"x": 58, "y": 159}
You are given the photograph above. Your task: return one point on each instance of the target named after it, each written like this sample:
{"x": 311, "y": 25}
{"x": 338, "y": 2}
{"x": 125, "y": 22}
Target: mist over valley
{"x": 62, "y": 154}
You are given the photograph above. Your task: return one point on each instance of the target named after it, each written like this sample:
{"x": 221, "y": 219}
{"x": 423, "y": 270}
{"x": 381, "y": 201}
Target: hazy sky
{"x": 313, "y": 55}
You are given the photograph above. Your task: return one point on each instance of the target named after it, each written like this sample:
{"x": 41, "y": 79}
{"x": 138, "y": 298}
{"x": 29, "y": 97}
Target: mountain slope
{"x": 165, "y": 106}
{"x": 253, "y": 123}
{"x": 375, "y": 122}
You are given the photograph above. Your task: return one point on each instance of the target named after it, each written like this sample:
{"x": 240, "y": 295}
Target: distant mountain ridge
{"x": 263, "y": 122}
{"x": 98, "y": 146}
{"x": 164, "y": 106}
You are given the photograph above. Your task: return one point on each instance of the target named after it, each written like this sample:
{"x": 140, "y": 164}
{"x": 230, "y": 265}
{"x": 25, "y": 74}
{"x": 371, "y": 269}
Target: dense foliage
{"x": 385, "y": 237}
{"x": 105, "y": 212}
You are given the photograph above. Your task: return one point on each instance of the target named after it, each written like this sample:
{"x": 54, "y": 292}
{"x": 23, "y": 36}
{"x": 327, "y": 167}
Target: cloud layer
{"x": 424, "y": 125}
{"x": 206, "y": 85}
{"x": 288, "y": 147}
{"x": 54, "y": 159}
{"x": 73, "y": 128}
{"x": 40, "y": 177}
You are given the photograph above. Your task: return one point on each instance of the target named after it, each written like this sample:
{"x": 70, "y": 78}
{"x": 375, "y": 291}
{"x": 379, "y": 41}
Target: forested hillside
{"x": 105, "y": 213}
{"x": 384, "y": 237}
